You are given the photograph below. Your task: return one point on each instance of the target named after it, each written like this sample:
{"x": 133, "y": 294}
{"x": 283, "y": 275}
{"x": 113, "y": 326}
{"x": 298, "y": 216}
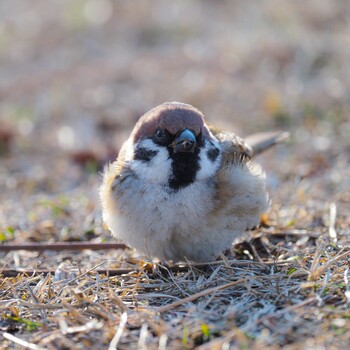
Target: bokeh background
{"x": 76, "y": 75}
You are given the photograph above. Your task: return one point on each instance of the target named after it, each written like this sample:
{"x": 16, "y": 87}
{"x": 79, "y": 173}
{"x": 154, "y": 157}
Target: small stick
{"x": 32, "y": 273}
{"x": 242, "y": 263}
{"x": 346, "y": 280}
{"x": 41, "y": 246}
{"x": 118, "y": 300}
{"x": 36, "y": 301}
{"x": 94, "y": 270}
{"x": 332, "y": 219}
{"x": 118, "y": 334}
{"x": 321, "y": 270}
{"x": 198, "y": 295}
{"x": 20, "y": 342}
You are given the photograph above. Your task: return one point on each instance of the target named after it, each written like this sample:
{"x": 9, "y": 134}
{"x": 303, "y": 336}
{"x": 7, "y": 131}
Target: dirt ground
{"x": 74, "y": 78}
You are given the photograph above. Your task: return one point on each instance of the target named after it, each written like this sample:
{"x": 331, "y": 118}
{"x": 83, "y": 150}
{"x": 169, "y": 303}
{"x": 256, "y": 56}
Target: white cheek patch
{"x": 209, "y": 167}
{"x": 157, "y": 169}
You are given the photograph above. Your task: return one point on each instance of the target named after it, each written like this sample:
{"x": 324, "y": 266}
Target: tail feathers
{"x": 262, "y": 141}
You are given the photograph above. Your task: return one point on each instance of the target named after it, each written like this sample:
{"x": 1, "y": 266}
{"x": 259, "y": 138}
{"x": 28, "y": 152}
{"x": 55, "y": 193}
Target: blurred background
{"x": 76, "y": 75}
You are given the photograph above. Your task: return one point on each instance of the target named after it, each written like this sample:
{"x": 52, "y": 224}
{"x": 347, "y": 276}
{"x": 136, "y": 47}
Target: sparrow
{"x": 182, "y": 190}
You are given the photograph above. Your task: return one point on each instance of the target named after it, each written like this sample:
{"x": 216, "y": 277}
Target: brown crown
{"x": 172, "y": 116}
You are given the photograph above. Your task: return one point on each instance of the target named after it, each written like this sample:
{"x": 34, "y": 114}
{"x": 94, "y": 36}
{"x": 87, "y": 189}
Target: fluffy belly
{"x": 169, "y": 221}
{"x": 196, "y": 223}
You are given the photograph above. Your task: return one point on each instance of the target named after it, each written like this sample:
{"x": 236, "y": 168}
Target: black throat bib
{"x": 185, "y": 167}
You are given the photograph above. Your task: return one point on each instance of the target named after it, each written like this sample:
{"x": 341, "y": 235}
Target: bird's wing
{"x": 237, "y": 149}
{"x": 240, "y": 189}
{"x": 234, "y": 148}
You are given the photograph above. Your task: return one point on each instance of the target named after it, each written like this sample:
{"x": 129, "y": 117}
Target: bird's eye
{"x": 159, "y": 134}
{"x": 162, "y": 137}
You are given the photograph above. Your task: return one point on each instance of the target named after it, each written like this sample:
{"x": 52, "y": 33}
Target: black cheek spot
{"x": 213, "y": 153}
{"x": 144, "y": 154}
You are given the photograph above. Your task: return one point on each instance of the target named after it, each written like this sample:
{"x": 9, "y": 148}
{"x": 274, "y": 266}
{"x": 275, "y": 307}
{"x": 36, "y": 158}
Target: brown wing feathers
{"x": 236, "y": 149}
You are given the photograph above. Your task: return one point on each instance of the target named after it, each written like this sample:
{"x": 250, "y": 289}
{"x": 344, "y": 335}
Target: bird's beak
{"x": 184, "y": 142}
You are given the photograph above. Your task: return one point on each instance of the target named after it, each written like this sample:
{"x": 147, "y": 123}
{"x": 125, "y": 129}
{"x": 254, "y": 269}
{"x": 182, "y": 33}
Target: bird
{"x": 182, "y": 190}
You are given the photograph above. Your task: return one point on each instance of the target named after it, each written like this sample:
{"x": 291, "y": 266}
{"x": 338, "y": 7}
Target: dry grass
{"x": 76, "y": 75}
{"x": 223, "y": 304}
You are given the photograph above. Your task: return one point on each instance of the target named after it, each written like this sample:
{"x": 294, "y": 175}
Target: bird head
{"x": 171, "y": 144}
